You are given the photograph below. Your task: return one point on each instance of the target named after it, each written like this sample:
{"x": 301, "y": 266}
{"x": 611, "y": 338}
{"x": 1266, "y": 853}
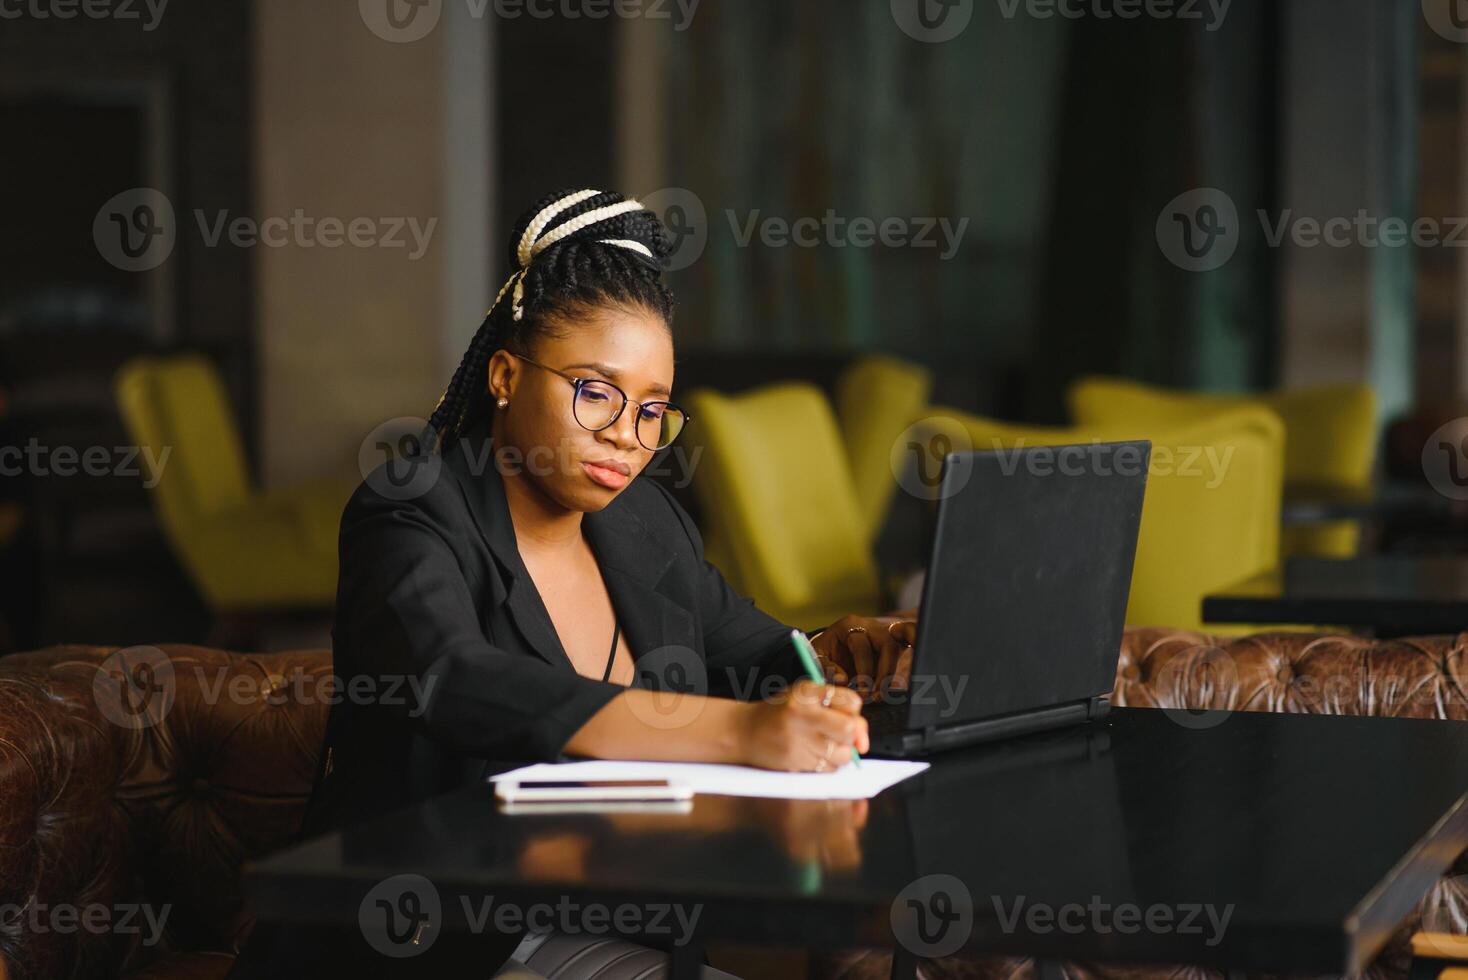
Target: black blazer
{"x": 432, "y": 590}
{"x": 433, "y": 597}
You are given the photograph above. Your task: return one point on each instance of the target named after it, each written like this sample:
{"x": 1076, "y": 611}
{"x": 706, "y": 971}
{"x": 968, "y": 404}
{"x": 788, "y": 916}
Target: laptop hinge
{"x": 1019, "y": 723}
{"x": 1099, "y": 708}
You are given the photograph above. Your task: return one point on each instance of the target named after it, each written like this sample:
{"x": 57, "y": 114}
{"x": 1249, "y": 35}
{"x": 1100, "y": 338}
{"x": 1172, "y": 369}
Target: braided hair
{"x": 573, "y": 252}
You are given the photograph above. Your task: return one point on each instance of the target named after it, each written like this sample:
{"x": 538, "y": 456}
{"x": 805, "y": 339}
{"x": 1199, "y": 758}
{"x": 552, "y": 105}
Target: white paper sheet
{"x": 846, "y": 783}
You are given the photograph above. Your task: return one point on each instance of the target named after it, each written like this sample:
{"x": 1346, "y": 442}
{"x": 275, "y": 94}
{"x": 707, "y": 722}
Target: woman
{"x": 516, "y": 570}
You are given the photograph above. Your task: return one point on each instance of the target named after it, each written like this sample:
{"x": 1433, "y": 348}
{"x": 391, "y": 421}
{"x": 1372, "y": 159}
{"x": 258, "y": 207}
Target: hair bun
{"x": 576, "y": 217}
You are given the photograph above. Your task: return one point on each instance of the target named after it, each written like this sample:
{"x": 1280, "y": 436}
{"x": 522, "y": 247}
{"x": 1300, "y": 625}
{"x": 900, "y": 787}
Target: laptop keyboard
{"x": 884, "y": 717}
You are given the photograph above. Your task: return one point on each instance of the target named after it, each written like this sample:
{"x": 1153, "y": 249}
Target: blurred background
{"x": 248, "y": 240}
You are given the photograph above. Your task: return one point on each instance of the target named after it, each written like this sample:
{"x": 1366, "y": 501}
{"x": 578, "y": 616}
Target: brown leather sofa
{"x": 99, "y": 813}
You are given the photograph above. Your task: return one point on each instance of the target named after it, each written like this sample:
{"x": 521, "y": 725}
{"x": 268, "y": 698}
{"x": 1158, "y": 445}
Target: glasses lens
{"x": 597, "y": 403}
{"x": 659, "y": 424}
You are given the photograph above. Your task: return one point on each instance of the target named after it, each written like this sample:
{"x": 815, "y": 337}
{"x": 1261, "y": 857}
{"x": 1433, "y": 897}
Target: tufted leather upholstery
{"x": 1296, "y": 673}
{"x": 94, "y": 812}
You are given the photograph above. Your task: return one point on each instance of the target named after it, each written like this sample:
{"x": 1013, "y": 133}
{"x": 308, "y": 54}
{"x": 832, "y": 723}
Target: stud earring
{"x": 503, "y": 402}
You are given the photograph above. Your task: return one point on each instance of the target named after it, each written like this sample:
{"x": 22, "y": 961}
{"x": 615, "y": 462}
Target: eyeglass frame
{"x": 578, "y": 383}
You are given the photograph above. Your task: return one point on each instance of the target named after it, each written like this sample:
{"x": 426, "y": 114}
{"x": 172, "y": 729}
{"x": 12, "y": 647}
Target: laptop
{"x": 1024, "y": 600}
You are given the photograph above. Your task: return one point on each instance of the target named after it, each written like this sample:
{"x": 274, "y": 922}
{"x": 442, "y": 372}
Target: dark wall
{"x": 198, "y": 51}
{"x": 88, "y": 563}
{"x": 556, "y": 85}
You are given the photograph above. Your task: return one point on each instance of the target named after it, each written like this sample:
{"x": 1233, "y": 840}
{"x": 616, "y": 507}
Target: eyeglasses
{"x": 598, "y": 404}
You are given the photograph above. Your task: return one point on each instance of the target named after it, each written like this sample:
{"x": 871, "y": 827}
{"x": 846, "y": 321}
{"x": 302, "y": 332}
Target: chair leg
{"x": 904, "y": 964}
{"x": 685, "y": 962}
{"x": 1049, "y": 969}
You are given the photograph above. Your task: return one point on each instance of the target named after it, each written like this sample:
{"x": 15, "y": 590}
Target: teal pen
{"x": 813, "y": 671}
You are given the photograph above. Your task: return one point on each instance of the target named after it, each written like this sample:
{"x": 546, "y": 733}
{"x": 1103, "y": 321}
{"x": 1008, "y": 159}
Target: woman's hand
{"x": 871, "y": 653}
{"x": 808, "y": 728}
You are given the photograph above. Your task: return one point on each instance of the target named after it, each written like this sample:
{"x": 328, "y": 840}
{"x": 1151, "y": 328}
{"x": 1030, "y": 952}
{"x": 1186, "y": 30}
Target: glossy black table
{"x": 1310, "y": 838}
{"x": 1392, "y": 595}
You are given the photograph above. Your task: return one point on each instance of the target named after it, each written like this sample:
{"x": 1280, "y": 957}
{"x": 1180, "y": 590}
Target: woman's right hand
{"x": 795, "y": 732}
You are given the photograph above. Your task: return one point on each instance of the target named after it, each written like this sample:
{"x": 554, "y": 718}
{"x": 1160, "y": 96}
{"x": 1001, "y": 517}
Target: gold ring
{"x": 855, "y": 629}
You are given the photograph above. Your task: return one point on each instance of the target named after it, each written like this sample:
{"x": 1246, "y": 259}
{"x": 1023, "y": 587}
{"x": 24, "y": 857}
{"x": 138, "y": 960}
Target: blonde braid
{"x": 543, "y": 217}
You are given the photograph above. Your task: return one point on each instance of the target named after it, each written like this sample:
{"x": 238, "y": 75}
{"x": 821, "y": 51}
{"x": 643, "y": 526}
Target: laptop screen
{"x": 1026, "y": 591}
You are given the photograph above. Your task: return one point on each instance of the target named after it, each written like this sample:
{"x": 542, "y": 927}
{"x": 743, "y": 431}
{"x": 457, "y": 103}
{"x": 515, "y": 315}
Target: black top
{"x": 612, "y": 656}
{"x": 433, "y": 597}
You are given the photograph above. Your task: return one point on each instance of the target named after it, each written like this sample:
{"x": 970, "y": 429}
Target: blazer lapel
{"x": 638, "y": 569}
{"x": 472, "y": 457}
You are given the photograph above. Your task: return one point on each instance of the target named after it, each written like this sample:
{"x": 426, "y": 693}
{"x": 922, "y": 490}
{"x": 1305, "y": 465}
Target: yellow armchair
{"x": 781, "y": 518}
{"x": 878, "y": 397}
{"x": 244, "y": 550}
{"x": 1330, "y": 438}
{"x": 1211, "y": 513}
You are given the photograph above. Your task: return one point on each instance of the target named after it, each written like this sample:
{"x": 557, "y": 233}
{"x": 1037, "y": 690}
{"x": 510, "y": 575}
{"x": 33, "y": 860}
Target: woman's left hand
{"x": 873, "y": 654}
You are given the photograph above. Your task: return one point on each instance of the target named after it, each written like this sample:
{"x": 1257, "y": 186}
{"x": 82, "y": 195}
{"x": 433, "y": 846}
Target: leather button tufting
{"x": 1130, "y": 672}
{"x": 1286, "y": 674}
